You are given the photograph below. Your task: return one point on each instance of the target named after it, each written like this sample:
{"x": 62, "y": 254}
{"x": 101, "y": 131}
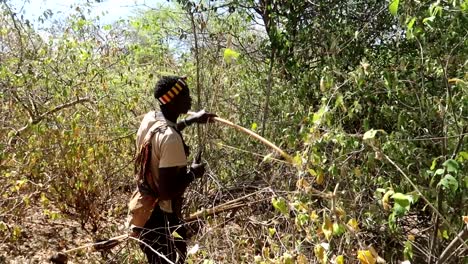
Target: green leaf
{"x": 428, "y": 19}
{"x": 302, "y": 219}
{"x": 434, "y": 164}
{"x": 449, "y": 183}
{"x": 401, "y": 198}
{"x": 317, "y": 117}
{"x": 338, "y": 229}
{"x": 271, "y": 231}
{"x": 381, "y": 190}
{"x": 394, "y": 7}
{"x": 462, "y": 156}
{"x": 445, "y": 234}
{"x": 408, "y": 250}
{"x": 392, "y": 221}
{"x": 369, "y": 134}
{"x": 176, "y": 235}
{"x": 254, "y": 126}
{"x": 230, "y": 55}
{"x": 280, "y": 205}
{"x": 3, "y": 226}
{"x": 452, "y": 165}
{"x": 411, "y": 23}
{"x": 340, "y": 102}
{"x": 414, "y": 196}
{"x": 402, "y": 203}
{"x": 287, "y": 258}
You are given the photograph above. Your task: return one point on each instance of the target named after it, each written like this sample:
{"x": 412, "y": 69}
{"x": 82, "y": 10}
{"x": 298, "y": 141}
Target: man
{"x": 162, "y": 173}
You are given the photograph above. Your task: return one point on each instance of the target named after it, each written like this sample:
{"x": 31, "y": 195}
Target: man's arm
{"x": 174, "y": 180}
{"x": 201, "y": 117}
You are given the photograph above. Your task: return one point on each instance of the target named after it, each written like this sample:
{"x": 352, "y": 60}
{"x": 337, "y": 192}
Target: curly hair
{"x": 164, "y": 84}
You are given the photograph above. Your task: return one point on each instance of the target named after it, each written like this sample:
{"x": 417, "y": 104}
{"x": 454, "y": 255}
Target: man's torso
{"x": 161, "y": 155}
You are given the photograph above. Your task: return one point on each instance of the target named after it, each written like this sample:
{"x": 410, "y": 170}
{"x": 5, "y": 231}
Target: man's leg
{"x": 157, "y": 233}
{"x": 179, "y": 244}
{"x": 154, "y": 235}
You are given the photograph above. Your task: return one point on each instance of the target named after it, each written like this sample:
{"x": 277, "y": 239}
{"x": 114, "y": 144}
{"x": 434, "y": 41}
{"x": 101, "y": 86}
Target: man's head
{"x": 173, "y": 94}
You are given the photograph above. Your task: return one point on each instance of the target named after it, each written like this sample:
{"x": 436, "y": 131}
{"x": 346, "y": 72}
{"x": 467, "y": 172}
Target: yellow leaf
{"x": 266, "y": 252}
{"x": 386, "y": 198}
{"x": 465, "y": 219}
{"x": 301, "y": 259}
{"x": 320, "y": 178}
{"x": 322, "y": 84}
{"x": 340, "y": 212}
{"x": 373, "y": 252}
{"x": 353, "y": 224}
{"x": 411, "y": 237}
{"x": 320, "y": 253}
{"x": 313, "y": 216}
{"x": 303, "y": 184}
{"x": 16, "y": 232}
{"x": 339, "y": 259}
{"x": 176, "y": 235}
{"x": 327, "y": 227}
{"x": 230, "y": 55}
{"x": 319, "y": 231}
{"x": 357, "y": 172}
{"x": 312, "y": 172}
{"x": 376, "y": 255}
{"x": 365, "y": 257}
{"x": 455, "y": 80}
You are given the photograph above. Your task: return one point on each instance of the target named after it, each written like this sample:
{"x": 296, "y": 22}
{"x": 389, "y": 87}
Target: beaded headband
{"x": 175, "y": 90}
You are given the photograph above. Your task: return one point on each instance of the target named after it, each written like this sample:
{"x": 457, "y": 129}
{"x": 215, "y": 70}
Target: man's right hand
{"x": 202, "y": 117}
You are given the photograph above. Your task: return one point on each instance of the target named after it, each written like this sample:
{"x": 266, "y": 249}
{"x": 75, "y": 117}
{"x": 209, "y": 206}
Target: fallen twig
{"x": 450, "y": 249}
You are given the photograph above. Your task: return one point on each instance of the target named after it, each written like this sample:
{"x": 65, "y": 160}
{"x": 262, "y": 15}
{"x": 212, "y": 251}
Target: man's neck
{"x": 170, "y": 115}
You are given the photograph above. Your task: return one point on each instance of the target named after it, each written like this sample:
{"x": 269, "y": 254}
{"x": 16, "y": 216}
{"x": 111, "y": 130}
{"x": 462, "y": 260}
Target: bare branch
{"x": 60, "y": 107}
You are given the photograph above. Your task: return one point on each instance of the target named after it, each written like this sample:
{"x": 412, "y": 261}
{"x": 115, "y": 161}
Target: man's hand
{"x": 197, "y": 169}
{"x": 201, "y": 117}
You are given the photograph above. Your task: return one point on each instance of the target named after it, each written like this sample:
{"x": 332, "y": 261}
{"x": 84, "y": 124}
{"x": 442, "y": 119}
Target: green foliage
{"x": 393, "y": 7}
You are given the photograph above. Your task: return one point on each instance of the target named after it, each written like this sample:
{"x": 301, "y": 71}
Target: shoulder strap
{"x": 145, "y": 180}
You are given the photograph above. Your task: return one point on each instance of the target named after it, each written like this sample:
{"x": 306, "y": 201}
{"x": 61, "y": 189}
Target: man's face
{"x": 185, "y": 102}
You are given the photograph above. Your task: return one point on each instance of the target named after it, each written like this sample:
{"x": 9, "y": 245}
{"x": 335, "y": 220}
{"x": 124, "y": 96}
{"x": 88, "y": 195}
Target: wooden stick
{"x": 229, "y": 205}
{"x": 117, "y": 238}
{"x": 254, "y": 135}
{"x": 214, "y": 210}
